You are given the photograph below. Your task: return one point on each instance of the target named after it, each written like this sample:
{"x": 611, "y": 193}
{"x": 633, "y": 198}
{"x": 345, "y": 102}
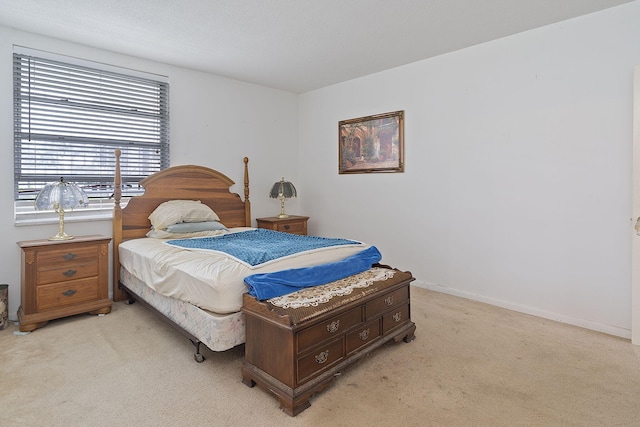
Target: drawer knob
{"x": 333, "y": 326}
{"x": 69, "y": 293}
{"x": 69, "y": 256}
{"x": 389, "y": 300}
{"x": 364, "y": 334}
{"x": 322, "y": 357}
{"x": 397, "y": 317}
{"x": 70, "y": 273}
{"x": 287, "y": 226}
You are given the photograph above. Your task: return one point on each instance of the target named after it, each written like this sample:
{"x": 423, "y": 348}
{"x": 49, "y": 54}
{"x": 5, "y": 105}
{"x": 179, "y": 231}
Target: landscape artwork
{"x": 372, "y": 144}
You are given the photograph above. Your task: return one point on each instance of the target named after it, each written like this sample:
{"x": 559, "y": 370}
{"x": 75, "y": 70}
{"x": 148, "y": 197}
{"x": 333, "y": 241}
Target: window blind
{"x": 69, "y": 119}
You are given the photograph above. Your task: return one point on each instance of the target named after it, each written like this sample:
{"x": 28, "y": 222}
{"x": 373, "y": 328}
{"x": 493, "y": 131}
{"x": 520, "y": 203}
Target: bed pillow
{"x": 193, "y": 227}
{"x": 177, "y": 211}
{"x": 163, "y": 234}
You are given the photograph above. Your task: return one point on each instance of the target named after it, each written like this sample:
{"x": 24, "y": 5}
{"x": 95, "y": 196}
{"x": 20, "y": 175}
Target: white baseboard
{"x": 594, "y": 326}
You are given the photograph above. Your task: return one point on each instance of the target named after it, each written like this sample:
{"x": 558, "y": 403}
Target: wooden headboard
{"x": 187, "y": 182}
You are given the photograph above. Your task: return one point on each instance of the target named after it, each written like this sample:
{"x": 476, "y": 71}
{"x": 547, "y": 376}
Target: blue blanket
{"x": 259, "y": 246}
{"x": 268, "y": 285}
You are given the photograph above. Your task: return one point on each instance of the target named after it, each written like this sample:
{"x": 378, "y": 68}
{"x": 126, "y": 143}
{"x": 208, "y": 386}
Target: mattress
{"x": 210, "y": 280}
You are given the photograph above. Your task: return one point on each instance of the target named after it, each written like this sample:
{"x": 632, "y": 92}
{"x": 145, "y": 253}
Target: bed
{"x": 218, "y": 331}
{"x": 188, "y": 289}
{"x": 302, "y": 315}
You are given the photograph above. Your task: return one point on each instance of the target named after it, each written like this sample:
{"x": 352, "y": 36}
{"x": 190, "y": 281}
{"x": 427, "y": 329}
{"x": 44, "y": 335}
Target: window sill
{"x": 50, "y": 217}
{"x": 28, "y": 216}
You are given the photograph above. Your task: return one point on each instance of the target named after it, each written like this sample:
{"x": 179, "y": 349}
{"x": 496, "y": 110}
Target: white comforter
{"x": 209, "y": 280}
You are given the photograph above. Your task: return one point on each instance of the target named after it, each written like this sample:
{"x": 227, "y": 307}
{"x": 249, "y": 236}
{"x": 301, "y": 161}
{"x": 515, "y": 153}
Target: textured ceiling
{"x": 294, "y": 45}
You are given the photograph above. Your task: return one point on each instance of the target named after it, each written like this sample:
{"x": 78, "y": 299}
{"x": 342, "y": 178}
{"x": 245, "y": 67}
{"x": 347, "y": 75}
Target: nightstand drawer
{"x": 67, "y": 293}
{"x": 55, "y": 258}
{"x": 71, "y": 271}
{"x": 293, "y": 224}
{"x": 294, "y": 227}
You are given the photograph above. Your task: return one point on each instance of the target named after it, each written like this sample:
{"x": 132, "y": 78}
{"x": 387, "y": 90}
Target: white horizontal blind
{"x": 69, "y": 119}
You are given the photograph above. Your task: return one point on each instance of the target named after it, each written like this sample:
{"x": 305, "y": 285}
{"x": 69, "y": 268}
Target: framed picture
{"x": 371, "y": 144}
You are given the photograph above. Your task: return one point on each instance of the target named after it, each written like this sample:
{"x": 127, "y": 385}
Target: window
{"x": 70, "y": 118}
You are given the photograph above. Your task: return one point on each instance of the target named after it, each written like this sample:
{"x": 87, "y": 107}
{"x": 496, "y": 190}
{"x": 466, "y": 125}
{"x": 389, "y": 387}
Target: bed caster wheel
{"x": 130, "y": 301}
{"x": 198, "y": 357}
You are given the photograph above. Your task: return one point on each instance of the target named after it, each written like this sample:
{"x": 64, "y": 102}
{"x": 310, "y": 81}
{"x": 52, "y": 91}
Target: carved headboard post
{"x": 247, "y": 203}
{"x": 118, "y": 294}
{"x": 117, "y": 182}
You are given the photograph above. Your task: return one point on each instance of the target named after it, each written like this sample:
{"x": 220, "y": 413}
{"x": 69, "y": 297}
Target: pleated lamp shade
{"x": 61, "y": 196}
{"x": 283, "y": 190}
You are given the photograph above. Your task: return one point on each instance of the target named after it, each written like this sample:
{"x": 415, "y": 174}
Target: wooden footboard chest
{"x": 295, "y": 348}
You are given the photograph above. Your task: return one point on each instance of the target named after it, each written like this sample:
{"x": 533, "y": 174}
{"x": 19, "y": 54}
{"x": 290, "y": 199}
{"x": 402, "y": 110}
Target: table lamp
{"x": 282, "y": 190}
{"x": 61, "y": 196}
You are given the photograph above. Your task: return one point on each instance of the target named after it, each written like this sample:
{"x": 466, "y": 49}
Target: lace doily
{"x": 316, "y": 295}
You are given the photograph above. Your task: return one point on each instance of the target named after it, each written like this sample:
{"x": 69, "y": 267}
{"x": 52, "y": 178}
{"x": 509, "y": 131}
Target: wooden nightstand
{"x": 63, "y": 278}
{"x": 293, "y": 224}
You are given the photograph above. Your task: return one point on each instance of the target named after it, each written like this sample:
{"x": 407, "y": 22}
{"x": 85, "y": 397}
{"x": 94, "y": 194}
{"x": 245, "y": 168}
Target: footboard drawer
{"x": 363, "y": 335}
{"x": 319, "y": 360}
{"x": 395, "y": 318}
{"x": 387, "y": 302}
{"x": 329, "y": 328}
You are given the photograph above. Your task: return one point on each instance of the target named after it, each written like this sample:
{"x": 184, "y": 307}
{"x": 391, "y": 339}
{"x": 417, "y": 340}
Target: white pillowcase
{"x": 194, "y": 227}
{"x": 177, "y": 211}
{"x": 163, "y": 234}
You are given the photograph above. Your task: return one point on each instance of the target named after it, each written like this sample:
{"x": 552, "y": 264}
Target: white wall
{"x": 215, "y": 122}
{"x": 518, "y": 176}
{"x": 518, "y": 169}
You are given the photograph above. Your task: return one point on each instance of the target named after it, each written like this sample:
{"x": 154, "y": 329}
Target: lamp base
{"x": 282, "y": 214}
{"x": 63, "y": 236}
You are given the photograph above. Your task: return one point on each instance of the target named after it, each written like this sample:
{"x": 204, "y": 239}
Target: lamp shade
{"x": 283, "y": 187}
{"x": 61, "y": 196}
{"x": 283, "y": 190}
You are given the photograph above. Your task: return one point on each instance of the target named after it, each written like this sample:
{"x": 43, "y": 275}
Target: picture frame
{"x": 371, "y": 144}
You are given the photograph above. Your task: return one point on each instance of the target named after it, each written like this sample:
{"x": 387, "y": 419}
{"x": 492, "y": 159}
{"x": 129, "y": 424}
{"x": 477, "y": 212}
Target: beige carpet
{"x": 471, "y": 365}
